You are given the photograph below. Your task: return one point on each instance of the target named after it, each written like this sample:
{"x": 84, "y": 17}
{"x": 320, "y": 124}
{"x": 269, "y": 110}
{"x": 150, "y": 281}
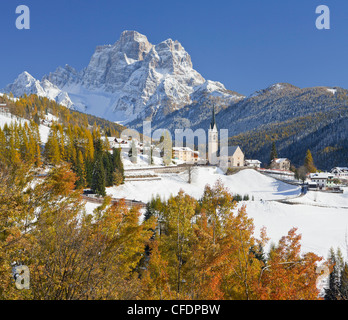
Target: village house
{"x": 4, "y": 109}
{"x": 322, "y": 179}
{"x": 252, "y": 164}
{"x": 340, "y": 173}
{"x": 118, "y": 143}
{"x": 280, "y": 164}
{"x": 185, "y": 154}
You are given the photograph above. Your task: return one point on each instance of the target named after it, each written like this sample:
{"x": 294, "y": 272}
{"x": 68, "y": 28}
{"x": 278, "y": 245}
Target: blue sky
{"x": 247, "y": 45}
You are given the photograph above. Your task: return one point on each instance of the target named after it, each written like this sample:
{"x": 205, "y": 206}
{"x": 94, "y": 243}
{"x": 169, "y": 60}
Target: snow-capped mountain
{"x": 27, "y": 84}
{"x": 130, "y": 80}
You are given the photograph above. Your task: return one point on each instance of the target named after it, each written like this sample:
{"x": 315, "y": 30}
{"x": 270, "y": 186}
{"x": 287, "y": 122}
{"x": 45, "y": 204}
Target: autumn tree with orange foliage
{"x": 289, "y": 275}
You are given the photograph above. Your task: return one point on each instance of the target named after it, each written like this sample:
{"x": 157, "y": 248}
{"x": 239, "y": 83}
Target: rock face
{"x": 131, "y": 80}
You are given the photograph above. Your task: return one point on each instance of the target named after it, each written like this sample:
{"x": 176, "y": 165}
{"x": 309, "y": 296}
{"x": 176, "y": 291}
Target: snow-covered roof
{"x": 280, "y": 160}
{"x": 253, "y": 161}
{"x": 340, "y": 169}
{"x": 320, "y": 175}
{"x": 183, "y": 149}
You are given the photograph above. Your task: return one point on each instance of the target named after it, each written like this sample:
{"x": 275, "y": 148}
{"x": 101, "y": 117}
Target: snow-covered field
{"x": 246, "y": 182}
{"x": 321, "y": 228}
{"x": 323, "y": 199}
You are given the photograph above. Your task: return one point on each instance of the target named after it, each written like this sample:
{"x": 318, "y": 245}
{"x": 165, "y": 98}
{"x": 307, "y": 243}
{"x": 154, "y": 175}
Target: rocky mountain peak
{"x": 133, "y": 44}
{"x": 24, "y": 84}
{"x": 131, "y": 35}
{"x": 131, "y": 80}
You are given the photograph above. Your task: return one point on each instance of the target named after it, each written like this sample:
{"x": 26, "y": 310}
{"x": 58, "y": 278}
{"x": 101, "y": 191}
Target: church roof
{"x": 231, "y": 150}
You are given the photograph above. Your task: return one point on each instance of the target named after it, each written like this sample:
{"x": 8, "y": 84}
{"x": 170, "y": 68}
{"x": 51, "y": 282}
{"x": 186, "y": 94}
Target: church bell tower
{"x": 213, "y": 140}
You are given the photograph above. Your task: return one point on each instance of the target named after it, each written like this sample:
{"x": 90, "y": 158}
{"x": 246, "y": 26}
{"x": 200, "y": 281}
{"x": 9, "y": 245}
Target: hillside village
{"x": 279, "y": 168}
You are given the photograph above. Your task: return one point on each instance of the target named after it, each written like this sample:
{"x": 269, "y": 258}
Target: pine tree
{"x": 274, "y": 153}
{"x": 108, "y": 169}
{"x": 98, "y": 148}
{"x": 133, "y": 153}
{"x": 98, "y": 178}
{"x": 117, "y": 161}
{"x": 344, "y": 282}
{"x": 332, "y": 292}
{"x": 151, "y": 155}
{"x": 338, "y": 280}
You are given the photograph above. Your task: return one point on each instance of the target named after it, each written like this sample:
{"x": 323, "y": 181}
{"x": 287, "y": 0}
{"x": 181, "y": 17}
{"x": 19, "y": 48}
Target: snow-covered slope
{"x": 321, "y": 228}
{"x": 131, "y": 79}
{"x": 8, "y": 118}
{"x": 246, "y": 182}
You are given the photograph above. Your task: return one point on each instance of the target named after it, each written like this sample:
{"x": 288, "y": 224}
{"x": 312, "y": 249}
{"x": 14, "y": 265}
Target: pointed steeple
{"x": 213, "y": 122}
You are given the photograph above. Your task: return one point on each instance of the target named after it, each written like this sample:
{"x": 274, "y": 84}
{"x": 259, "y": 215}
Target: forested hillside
{"x": 74, "y": 138}
{"x": 296, "y": 120}
{"x": 324, "y": 133}
{"x": 36, "y": 108}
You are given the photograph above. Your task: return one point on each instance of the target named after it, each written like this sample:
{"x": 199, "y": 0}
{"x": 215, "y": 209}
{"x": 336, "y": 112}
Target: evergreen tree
{"x": 133, "y": 152}
{"x": 36, "y": 119}
{"x": 98, "y": 147}
{"x": 152, "y": 161}
{"x": 89, "y": 165}
{"x": 118, "y": 174}
{"x": 344, "y": 282}
{"x": 98, "y": 178}
{"x": 274, "y": 153}
{"x": 338, "y": 284}
{"x": 108, "y": 169}
{"x": 333, "y": 291}
{"x": 117, "y": 160}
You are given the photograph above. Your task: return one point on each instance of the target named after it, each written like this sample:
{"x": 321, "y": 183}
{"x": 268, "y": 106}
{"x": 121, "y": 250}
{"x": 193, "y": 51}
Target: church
{"x": 235, "y": 156}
